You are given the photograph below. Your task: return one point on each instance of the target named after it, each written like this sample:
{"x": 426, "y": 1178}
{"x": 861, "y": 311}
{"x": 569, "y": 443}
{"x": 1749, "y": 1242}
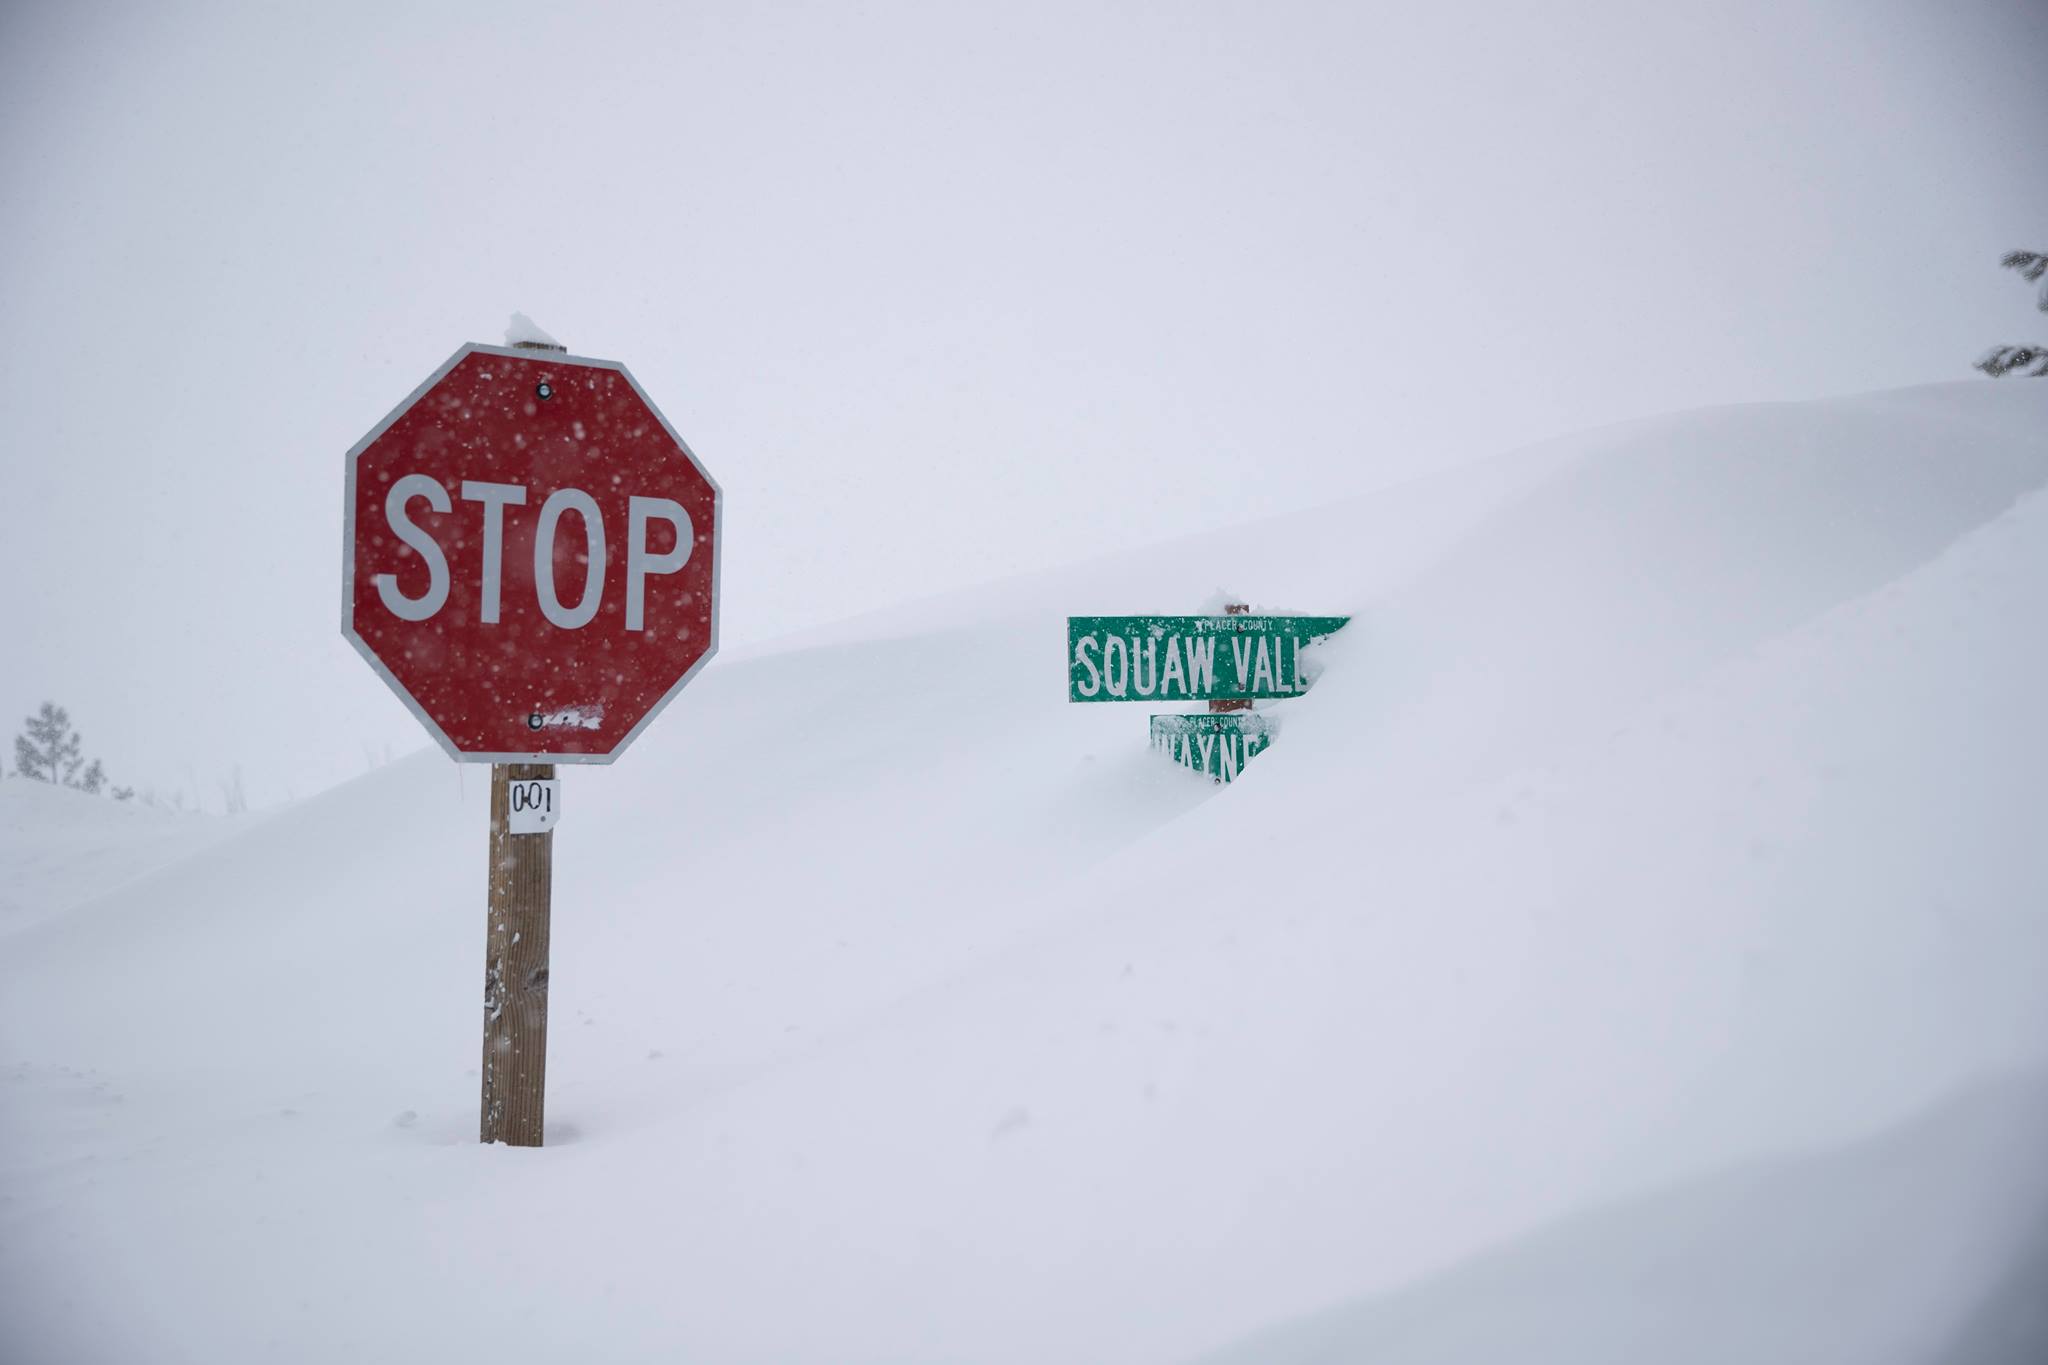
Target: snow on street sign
{"x": 1216, "y": 745}
{"x": 1191, "y": 658}
{"x": 530, "y": 557}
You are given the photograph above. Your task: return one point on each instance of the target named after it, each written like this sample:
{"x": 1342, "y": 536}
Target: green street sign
{"x": 1216, "y": 745}
{"x": 1190, "y": 658}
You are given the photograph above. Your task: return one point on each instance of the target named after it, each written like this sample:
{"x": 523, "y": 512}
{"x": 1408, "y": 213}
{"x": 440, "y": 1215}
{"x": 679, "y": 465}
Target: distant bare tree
{"x": 231, "y": 793}
{"x": 2000, "y": 361}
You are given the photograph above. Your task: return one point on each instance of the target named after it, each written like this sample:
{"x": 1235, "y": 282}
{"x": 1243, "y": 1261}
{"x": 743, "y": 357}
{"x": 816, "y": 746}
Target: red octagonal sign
{"x": 531, "y": 556}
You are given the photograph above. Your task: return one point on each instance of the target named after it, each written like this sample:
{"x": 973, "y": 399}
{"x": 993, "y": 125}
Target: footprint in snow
{"x": 1010, "y": 1124}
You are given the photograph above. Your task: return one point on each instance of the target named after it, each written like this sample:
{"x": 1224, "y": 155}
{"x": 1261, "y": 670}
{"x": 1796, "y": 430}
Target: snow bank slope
{"x": 1857, "y": 1253}
{"x": 1672, "y": 801}
{"x": 59, "y": 847}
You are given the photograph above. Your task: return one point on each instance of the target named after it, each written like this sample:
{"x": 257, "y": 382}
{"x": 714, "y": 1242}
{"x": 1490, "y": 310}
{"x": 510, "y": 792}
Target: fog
{"x": 938, "y": 294}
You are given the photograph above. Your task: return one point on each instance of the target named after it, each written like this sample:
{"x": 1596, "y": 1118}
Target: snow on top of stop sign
{"x": 524, "y": 331}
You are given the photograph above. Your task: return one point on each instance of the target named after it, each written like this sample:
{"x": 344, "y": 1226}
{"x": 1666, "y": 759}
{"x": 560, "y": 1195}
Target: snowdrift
{"x": 1854, "y": 1253}
{"x": 1669, "y": 809}
{"x": 60, "y": 847}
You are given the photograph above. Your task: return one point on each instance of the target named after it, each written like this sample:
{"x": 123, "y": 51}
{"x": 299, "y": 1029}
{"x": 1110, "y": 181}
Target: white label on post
{"x": 536, "y": 804}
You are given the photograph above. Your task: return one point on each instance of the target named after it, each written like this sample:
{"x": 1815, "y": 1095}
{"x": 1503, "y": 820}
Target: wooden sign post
{"x": 515, "y": 1063}
{"x": 1232, "y": 703}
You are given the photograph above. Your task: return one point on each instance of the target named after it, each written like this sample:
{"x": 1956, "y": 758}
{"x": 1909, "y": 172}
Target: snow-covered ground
{"x": 1857, "y": 1252}
{"x": 59, "y": 847}
{"x": 1632, "y": 950}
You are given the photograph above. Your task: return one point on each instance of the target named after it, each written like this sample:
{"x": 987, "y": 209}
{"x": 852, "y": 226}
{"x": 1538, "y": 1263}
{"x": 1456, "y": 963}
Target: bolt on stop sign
{"x": 531, "y": 556}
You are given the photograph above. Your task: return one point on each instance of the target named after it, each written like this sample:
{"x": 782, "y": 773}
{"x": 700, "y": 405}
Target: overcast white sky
{"x": 939, "y": 292}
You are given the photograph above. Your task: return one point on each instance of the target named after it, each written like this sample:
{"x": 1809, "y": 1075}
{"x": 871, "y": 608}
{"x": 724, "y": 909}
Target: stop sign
{"x": 531, "y": 556}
